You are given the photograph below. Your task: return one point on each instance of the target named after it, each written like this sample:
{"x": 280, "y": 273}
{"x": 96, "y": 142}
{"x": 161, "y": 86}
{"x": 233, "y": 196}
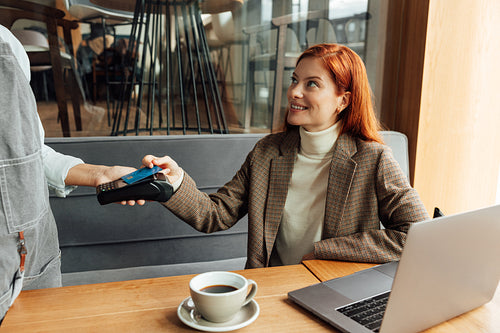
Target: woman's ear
{"x": 346, "y": 100}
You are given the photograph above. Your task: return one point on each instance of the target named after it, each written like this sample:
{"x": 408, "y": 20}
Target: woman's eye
{"x": 312, "y": 84}
{"x": 293, "y": 80}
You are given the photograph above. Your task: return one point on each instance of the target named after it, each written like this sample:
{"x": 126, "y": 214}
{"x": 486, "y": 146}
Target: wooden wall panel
{"x": 458, "y": 155}
{"x": 403, "y": 69}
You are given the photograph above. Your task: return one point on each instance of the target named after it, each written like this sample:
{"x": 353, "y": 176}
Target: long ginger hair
{"x": 349, "y": 74}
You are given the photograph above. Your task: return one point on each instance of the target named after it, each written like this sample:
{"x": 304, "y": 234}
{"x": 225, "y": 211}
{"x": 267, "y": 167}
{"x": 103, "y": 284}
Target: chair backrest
{"x": 33, "y": 41}
{"x": 304, "y": 26}
{"x": 31, "y": 38}
{"x": 355, "y": 30}
{"x": 13, "y": 10}
{"x": 323, "y": 33}
{"x": 399, "y": 145}
{"x": 227, "y": 27}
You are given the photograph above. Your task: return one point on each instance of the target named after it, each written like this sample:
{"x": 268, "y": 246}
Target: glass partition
{"x": 252, "y": 49}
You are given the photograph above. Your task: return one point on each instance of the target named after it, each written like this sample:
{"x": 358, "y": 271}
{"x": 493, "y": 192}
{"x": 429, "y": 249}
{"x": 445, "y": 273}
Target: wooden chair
{"x": 226, "y": 41}
{"x": 355, "y": 31}
{"x": 13, "y": 10}
{"x": 108, "y": 19}
{"x": 279, "y": 57}
{"x": 34, "y": 40}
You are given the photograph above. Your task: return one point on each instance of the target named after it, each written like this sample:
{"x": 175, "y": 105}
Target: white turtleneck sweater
{"x": 304, "y": 212}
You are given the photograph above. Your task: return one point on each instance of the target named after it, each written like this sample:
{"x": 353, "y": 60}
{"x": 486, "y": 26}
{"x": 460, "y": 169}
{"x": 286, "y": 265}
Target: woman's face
{"x": 313, "y": 97}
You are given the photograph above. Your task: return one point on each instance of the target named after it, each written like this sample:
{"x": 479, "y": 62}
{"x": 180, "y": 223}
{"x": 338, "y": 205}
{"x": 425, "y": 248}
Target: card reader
{"x": 153, "y": 188}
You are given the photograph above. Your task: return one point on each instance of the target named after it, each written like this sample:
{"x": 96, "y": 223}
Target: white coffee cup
{"x": 218, "y": 296}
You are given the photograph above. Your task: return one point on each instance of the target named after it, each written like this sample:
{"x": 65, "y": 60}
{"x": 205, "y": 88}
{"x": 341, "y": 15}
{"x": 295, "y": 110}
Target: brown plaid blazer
{"x": 366, "y": 186}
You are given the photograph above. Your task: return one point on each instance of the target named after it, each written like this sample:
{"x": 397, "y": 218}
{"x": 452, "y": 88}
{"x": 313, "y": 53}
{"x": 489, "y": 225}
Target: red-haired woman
{"x": 320, "y": 188}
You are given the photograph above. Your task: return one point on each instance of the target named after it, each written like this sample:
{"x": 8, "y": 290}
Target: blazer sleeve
{"x": 212, "y": 212}
{"x": 398, "y": 204}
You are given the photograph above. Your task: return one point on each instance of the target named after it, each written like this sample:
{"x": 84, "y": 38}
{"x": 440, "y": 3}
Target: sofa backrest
{"x": 94, "y": 237}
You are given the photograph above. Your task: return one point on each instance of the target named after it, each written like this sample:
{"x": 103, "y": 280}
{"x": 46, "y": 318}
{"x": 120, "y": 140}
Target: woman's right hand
{"x": 169, "y": 166}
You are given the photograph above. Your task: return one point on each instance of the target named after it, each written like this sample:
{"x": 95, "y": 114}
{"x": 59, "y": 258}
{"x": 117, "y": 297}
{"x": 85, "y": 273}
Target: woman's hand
{"x": 169, "y": 166}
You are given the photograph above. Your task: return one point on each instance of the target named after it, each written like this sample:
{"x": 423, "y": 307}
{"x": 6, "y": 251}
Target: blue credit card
{"x": 140, "y": 174}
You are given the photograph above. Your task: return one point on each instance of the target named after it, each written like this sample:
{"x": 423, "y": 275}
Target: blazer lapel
{"x": 342, "y": 171}
{"x": 279, "y": 179}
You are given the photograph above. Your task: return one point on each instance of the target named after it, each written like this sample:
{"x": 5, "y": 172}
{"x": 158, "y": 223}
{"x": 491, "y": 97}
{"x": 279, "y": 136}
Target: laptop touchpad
{"x": 361, "y": 284}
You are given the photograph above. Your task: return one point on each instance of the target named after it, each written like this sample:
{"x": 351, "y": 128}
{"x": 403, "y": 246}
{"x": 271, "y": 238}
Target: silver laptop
{"x": 449, "y": 265}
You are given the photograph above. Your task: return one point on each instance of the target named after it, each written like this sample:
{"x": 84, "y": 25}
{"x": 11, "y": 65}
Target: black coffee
{"x": 218, "y": 289}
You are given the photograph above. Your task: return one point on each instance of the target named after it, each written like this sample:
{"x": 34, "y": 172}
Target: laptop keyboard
{"x": 368, "y": 312}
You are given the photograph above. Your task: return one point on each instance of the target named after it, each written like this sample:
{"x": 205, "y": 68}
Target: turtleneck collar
{"x": 318, "y": 144}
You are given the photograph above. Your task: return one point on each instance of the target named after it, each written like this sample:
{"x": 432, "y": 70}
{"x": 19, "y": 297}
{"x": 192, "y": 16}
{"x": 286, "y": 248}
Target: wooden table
{"x": 483, "y": 319}
{"x": 151, "y": 305}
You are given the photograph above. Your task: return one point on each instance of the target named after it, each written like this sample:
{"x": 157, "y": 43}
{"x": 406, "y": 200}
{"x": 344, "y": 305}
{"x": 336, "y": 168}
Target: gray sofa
{"x": 114, "y": 242}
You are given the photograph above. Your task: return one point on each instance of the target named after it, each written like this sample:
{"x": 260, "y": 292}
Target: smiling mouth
{"x": 295, "y": 107}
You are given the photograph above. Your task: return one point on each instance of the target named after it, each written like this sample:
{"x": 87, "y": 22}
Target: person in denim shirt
{"x": 29, "y": 247}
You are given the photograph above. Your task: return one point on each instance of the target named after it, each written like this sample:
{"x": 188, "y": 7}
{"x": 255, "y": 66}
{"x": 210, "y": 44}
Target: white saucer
{"x": 245, "y": 317}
